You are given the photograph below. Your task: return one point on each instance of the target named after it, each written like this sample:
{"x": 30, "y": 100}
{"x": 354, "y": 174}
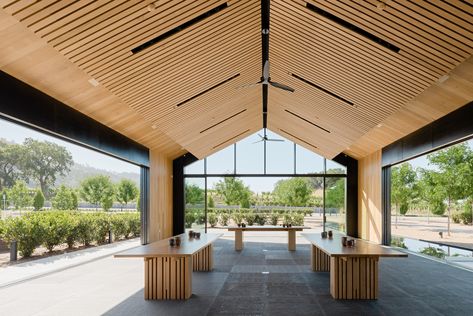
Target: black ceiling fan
{"x": 266, "y": 80}
{"x": 266, "y": 139}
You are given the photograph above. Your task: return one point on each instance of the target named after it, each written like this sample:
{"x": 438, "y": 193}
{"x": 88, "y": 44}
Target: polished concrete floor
{"x": 263, "y": 279}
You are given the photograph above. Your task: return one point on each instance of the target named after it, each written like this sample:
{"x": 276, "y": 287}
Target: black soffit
{"x": 179, "y": 28}
{"x": 353, "y": 28}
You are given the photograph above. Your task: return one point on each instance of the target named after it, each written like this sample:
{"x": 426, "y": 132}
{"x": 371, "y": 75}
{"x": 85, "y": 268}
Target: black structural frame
{"x": 448, "y": 130}
{"x": 24, "y": 105}
{"x": 351, "y": 187}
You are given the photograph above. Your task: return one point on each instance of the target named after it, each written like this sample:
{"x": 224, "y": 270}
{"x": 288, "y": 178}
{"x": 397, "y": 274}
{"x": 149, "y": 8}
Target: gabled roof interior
{"x": 170, "y": 74}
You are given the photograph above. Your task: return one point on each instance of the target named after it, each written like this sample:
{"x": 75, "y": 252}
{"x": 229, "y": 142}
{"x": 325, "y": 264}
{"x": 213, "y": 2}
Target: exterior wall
{"x": 160, "y": 217}
{"x": 369, "y": 197}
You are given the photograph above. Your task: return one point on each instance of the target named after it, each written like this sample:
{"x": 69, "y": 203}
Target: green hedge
{"x": 53, "y": 228}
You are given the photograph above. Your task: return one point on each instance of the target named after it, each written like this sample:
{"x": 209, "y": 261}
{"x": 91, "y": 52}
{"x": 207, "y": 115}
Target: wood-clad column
{"x": 320, "y": 261}
{"x": 160, "y": 217}
{"x": 369, "y": 197}
{"x": 291, "y": 240}
{"x": 168, "y": 278}
{"x": 238, "y": 240}
{"x": 203, "y": 260}
{"x": 354, "y": 277}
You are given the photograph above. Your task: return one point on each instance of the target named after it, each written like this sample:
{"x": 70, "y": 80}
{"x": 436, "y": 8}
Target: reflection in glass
{"x": 194, "y": 192}
{"x": 308, "y": 162}
{"x": 221, "y": 162}
{"x": 335, "y": 206}
{"x": 279, "y": 155}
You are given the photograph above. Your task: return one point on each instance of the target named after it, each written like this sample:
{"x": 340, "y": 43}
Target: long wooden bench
{"x": 353, "y": 270}
{"x": 291, "y": 234}
{"x": 168, "y": 270}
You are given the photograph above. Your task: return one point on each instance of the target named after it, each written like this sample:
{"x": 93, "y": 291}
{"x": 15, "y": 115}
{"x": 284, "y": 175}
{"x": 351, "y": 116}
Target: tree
{"x": 20, "y": 195}
{"x": 210, "y": 202}
{"x": 45, "y": 161}
{"x": 233, "y": 191}
{"x": 452, "y": 175}
{"x": 293, "y": 192}
{"x": 335, "y": 195}
{"x": 97, "y": 190}
{"x": 11, "y": 164}
{"x": 38, "y": 200}
{"x": 403, "y": 181}
{"x": 126, "y": 191}
{"x": 429, "y": 192}
{"x": 65, "y": 199}
{"x": 194, "y": 194}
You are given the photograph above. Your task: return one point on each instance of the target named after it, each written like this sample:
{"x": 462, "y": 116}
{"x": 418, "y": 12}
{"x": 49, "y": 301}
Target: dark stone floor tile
{"x": 240, "y": 306}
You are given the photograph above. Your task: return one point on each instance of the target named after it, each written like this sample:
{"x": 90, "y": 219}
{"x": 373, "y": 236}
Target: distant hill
{"x": 79, "y": 172}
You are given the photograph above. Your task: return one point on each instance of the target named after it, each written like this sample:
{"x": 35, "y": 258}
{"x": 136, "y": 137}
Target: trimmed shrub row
{"x": 246, "y": 216}
{"x": 53, "y": 228}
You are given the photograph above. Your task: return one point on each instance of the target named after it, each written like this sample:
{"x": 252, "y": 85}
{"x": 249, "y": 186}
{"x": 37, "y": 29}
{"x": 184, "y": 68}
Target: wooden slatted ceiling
{"x": 98, "y": 37}
{"x": 434, "y": 38}
{"x": 150, "y": 88}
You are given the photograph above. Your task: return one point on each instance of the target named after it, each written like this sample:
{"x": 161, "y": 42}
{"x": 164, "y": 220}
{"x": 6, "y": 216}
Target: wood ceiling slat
{"x": 329, "y": 30}
{"x": 373, "y": 71}
{"x": 414, "y": 32}
{"x": 188, "y": 90}
{"x": 448, "y": 15}
{"x": 350, "y": 71}
{"x": 410, "y": 77}
{"x": 119, "y": 42}
{"x": 399, "y": 6}
{"x": 36, "y": 8}
{"x": 453, "y": 44}
{"x": 423, "y": 53}
{"x": 69, "y": 35}
{"x": 186, "y": 42}
{"x": 44, "y": 13}
{"x": 13, "y": 7}
{"x": 464, "y": 6}
{"x": 175, "y": 73}
{"x": 67, "y": 13}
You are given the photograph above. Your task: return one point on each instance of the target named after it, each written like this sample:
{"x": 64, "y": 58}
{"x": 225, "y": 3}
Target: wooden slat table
{"x": 353, "y": 270}
{"x": 168, "y": 270}
{"x": 291, "y": 234}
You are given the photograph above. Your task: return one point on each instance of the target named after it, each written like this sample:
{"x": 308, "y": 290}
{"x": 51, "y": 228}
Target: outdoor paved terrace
{"x": 241, "y": 285}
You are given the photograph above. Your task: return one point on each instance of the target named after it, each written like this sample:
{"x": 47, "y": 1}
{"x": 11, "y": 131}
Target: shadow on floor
{"x": 237, "y": 286}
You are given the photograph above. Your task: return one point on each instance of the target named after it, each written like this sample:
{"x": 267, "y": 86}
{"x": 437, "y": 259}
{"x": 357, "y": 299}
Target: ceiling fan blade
{"x": 281, "y": 86}
{"x": 259, "y": 141}
{"x": 266, "y": 71}
{"x": 275, "y": 140}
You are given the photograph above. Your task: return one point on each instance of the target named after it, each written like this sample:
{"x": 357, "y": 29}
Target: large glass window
{"x": 222, "y": 162}
{"x": 432, "y": 204}
{"x": 308, "y": 162}
{"x": 279, "y": 155}
{"x": 250, "y": 155}
{"x": 285, "y": 193}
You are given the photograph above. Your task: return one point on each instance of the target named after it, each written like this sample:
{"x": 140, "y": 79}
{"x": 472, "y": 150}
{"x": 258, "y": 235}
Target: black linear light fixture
{"x": 306, "y": 120}
{"x": 224, "y": 142}
{"x": 353, "y": 27}
{"x": 298, "y": 138}
{"x": 179, "y": 28}
{"x": 323, "y": 89}
{"x": 224, "y": 120}
{"x": 205, "y": 91}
